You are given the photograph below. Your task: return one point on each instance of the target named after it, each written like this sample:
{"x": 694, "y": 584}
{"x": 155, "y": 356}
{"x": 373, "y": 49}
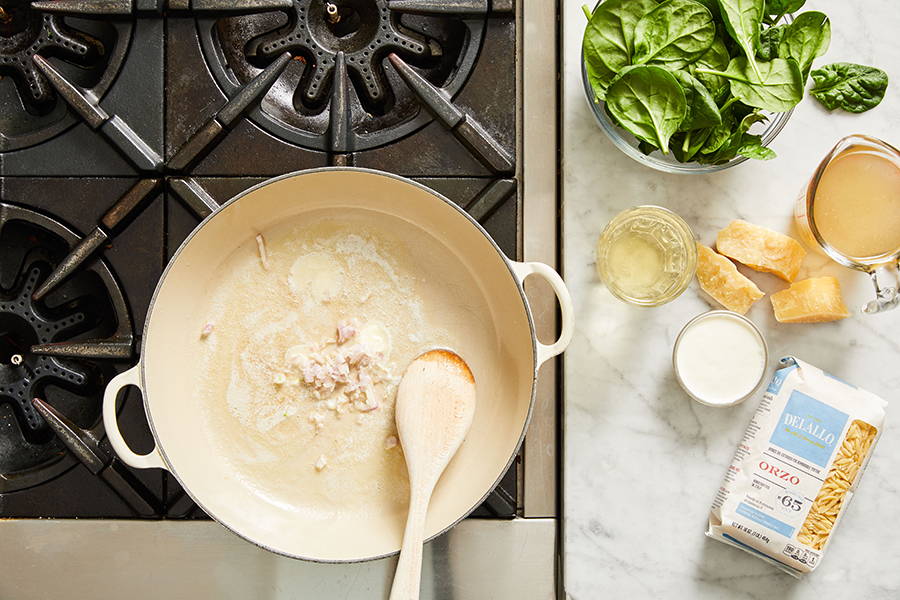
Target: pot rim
{"x": 506, "y": 261}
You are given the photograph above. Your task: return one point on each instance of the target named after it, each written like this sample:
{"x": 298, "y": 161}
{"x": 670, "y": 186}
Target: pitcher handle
{"x": 886, "y": 298}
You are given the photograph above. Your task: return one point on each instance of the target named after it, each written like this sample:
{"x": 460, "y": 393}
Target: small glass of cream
{"x": 720, "y": 358}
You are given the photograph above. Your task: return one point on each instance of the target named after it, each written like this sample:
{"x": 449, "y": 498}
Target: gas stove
{"x": 124, "y": 122}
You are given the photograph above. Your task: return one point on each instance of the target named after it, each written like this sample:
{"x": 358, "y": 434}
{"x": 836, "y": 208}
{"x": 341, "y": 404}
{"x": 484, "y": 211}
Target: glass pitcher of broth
{"x": 850, "y": 211}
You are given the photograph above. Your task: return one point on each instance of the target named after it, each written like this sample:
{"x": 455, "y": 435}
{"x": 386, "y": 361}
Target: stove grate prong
{"x": 233, "y": 6}
{"x": 194, "y": 196}
{"x": 113, "y": 348}
{"x": 123, "y": 208}
{"x": 442, "y": 7}
{"x": 464, "y": 126}
{"x": 204, "y": 137}
{"x": 117, "y": 131}
{"x": 128, "y": 7}
{"x": 85, "y": 7}
{"x": 339, "y": 135}
{"x": 68, "y": 265}
{"x": 86, "y": 447}
{"x": 491, "y": 198}
{"x": 79, "y": 441}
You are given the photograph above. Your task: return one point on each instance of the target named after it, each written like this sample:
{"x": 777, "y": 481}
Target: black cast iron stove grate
{"x": 33, "y": 361}
{"x": 333, "y": 78}
{"x": 339, "y": 94}
{"x": 90, "y": 52}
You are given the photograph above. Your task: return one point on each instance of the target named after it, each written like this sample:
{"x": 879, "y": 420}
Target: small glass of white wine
{"x": 647, "y": 255}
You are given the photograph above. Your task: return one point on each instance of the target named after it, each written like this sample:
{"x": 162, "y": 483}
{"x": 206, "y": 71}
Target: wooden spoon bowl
{"x": 434, "y": 411}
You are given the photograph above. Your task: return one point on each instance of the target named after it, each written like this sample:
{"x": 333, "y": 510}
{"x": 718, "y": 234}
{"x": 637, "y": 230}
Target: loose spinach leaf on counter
{"x": 769, "y": 40}
{"x": 776, "y": 86}
{"x": 848, "y": 86}
{"x": 674, "y": 34}
{"x": 743, "y": 20}
{"x": 701, "y": 107}
{"x": 609, "y": 40}
{"x": 806, "y": 39}
{"x": 648, "y": 102}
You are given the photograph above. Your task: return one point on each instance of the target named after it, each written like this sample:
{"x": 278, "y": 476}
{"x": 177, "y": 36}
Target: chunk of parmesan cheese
{"x": 720, "y": 279}
{"x": 814, "y": 300}
{"x": 761, "y": 249}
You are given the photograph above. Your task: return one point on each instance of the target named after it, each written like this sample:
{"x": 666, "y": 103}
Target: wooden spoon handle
{"x": 408, "y": 576}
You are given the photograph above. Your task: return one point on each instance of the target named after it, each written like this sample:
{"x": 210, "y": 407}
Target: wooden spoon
{"x": 435, "y": 406}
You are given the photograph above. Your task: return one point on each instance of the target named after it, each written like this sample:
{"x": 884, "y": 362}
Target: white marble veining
{"x": 642, "y": 461}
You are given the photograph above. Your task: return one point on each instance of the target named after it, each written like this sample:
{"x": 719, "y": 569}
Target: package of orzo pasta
{"x": 797, "y": 467}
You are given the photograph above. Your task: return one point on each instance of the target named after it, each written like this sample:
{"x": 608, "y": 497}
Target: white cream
{"x": 720, "y": 358}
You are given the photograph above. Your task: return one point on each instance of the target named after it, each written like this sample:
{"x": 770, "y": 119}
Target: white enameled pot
{"x": 166, "y": 373}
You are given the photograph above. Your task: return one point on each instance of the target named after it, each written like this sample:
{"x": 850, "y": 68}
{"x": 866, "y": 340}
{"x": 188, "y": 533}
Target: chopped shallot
{"x": 345, "y": 331}
{"x": 367, "y": 406}
{"x": 321, "y": 463}
{"x": 390, "y": 442}
{"x": 207, "y": 329}
{"x": 263, "y": 255}
{"x": 317, "y": 421}
{"x": 279, "y": 379}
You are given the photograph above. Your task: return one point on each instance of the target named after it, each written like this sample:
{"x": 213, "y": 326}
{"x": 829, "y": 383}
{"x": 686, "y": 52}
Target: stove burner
{"x": 24, "y": 33}
{"x": 340, "y": 80}
{"x": 88, "y": 305}
{"x": 361, "y": 29}
{"x": 90, "y": 52}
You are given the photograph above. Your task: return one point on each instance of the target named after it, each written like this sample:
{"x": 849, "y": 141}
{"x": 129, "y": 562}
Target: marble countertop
{"x": 642, "y": 460}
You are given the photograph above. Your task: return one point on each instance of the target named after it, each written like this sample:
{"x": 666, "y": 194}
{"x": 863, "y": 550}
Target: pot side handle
{"x": 152, "y": 459}
{"x": 567, "y": 312}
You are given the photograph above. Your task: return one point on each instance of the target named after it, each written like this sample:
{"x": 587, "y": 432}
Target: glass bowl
{"x": 628, "y": 144}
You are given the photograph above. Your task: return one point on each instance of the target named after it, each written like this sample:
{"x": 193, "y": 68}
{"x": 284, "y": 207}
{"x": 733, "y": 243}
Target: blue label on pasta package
{"x": 809, "y": 428}
{"x": 765, "y": 520}
{"x": 779, "y": 377}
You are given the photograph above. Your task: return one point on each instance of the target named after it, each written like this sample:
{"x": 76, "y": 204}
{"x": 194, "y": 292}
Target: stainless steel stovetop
{"x": 122, "y": 123}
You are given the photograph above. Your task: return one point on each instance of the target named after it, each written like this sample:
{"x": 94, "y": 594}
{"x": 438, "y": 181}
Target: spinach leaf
{"x": 599, "y": 75}
{"x": 806, "y": 39}
{"x": 702, "y": 110}
{"x": 674, "y": 34}
{"x": 779, "y": 8}
{"x": 769, "y": 40}
{"x": 648, "y": 102}
{"x": 751, "y": 146}
{"x": 743, "y": 19}
{"x": 751, "y": 118}
{"x": 718, "y": 135}
{"x": 851, "y": 87}
{"x": 712, "y": 6}
{"x": 716, "y": 59}
{"x": 686, "y": 144}
{"x": 609, "y": 36}
{"x": 646, "y": 148}
{"x": 777, "y": 87}
{"x": 738, "y": 141}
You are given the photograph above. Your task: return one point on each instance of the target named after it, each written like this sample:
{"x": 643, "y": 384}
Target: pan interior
{"x": 267, "y": 488}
